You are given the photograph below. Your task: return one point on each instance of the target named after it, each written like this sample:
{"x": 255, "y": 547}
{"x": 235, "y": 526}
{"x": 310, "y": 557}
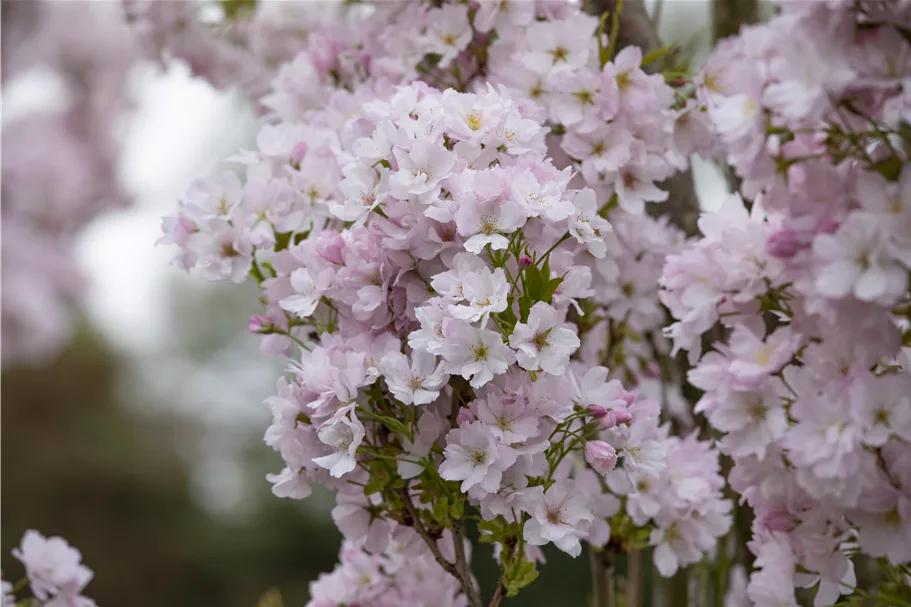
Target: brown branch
{"x": 634, "y": 578}
{"x": 468, "y": 583}
{"x": 602, "y": 570}
{"x": 458, "y": 569}
{"x": 729, "y": 15}
{"x": 425, "y": 535}
{"x": 637, "y": 29}
{"x": 500, "y": 594}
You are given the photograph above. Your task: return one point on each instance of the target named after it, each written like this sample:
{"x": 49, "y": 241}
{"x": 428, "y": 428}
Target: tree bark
{"x": 637, "y": 29}
{"x": 729, "y": 15}
{"x": 604, "y": 592}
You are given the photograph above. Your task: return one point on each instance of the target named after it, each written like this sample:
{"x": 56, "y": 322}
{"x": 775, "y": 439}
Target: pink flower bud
{"x": 524, "y": 261}
{"x": 260, "y": 324}
{"x": 465, "y": 416}
{"x": 600, "y": 456}
{"x": 622, "y": 416}
{"x": 614, "y": 417}
{"x": 652, "y": 370}
{"x": 783, "y": 244}
{"x": 597, "y": 411}
{"x": 298, "y": 153}
{"x": 777, "y": 520}
{"x": 825, "y": 225}
{"x": 629, "y": 397}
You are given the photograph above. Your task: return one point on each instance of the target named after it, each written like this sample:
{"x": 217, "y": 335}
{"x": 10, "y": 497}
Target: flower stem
{"x": 602, "y": 569}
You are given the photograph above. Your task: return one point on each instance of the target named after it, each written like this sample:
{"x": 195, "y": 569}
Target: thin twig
{"x": 459, "y": 569}
{"x": 468, "y": 584}
{"x": 499, "y": 594}
{"x": 634, "y": 578}
{"x": 425, "y": 535}
{"x": 602, "y": 569}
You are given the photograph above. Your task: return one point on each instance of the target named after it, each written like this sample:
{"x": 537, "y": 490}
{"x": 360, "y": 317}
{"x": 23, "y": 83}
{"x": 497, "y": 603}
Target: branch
{"x": 729, "y": 15}
{"x": 459, "y": 569}
{"x": 468, "y": 584}
{"x": 637, "y": 29}
{"x": 499, "y": 594}
{"x": 634, "y": 578}
{"x": 602, "y": 568}
{"x": 425, "y": 535}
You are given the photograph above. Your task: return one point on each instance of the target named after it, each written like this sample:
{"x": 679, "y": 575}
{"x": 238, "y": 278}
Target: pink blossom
{"x": 541, "y": 343}
{"x": 601, "y": 456}
{"x": 54, "y": 569}
{"x": 473, "y": 456}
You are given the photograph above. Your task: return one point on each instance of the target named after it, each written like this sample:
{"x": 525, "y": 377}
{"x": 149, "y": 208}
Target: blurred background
{"x": 131, "y": 394}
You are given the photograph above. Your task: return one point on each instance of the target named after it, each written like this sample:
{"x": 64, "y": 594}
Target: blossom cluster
{"x": 59, "y": 168}
{"x": 398, "y": 575}
{"x": 54, "y": 572}
{"x": 234, "y": 43}
{"x": 451, "y": 296}
{"x": 808, "y": 380}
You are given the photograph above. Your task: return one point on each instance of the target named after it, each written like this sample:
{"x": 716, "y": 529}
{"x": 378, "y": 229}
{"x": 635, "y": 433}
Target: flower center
{"x": 541, "y": 340}
{"x": 479, "y": 352}
{"x": 488, "y": 225}
{"x": 474, "y": 120}
{"x": 415, "y": 382}
{"x": 554, "y": 517}
{"x": 559, "y": 54}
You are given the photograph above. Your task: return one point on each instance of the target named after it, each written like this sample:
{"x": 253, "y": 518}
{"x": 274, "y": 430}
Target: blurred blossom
{"x": 60, "y": 163}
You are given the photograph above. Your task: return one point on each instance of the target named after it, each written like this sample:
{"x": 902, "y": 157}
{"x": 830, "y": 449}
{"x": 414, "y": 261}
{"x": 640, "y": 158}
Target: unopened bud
{"x": 298, "y": 153}
{"x": 465, "y": 416}
{"x": 597, "y": 411}
{"x": 601, "y": 456}
{"x": 783, "y": 244}
{"x": 260, "y": 324}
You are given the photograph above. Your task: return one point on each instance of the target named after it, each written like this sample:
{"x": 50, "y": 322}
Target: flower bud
{"x": 260, "y": 324}
{"x": 298, "y": 153}
{"x": 614, "y": 417}
{"x": 600, "y": 456}
{"x": 825, "y": 225}
{"x": 783, "y": 244}
{"x": 621, "y": 416}
{"x": 524, "y": 261}
{"x": 777, "y": 520}
{"x": 465, "y": 416}
{"x": 597, "y": 411}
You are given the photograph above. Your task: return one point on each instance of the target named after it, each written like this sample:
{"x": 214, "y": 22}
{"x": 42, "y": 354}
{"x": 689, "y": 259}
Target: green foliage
{"x": 235, "y": 9}
{"x": 520, "y": 576}
{"x": 271, "y": 598}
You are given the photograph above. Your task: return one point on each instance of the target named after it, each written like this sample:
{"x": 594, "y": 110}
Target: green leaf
{"x": 890, "y": 167}
{"x": 237, "y": 8}
{"x": 657, "y": 54}
{"x": 552, "y": 285}
{"x": 457, "y": 509}
{"x": 282, "y": 240}
{"x": 441, "y": 508}
{"x": 520, "y": 577}
{"x": 376, "y": 484}
{"x": 533, "y": 283}
{"x": 393, "y": 424}
{"x": 271, "y": 598}
{"x": 524, "y": 307}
